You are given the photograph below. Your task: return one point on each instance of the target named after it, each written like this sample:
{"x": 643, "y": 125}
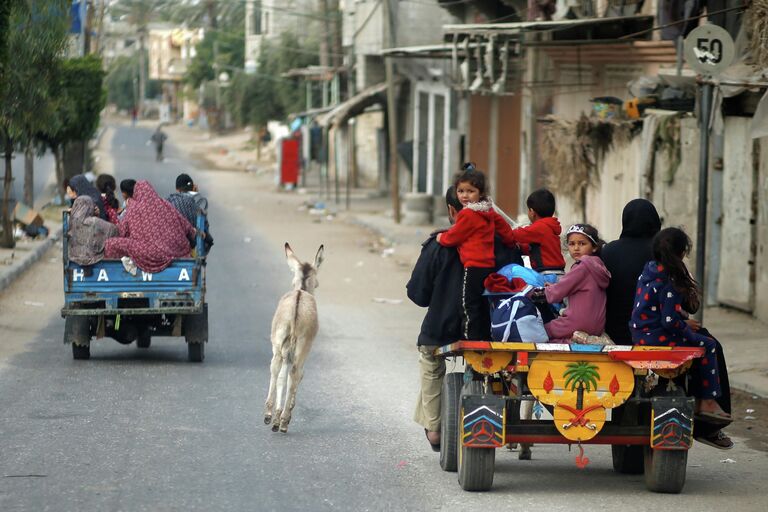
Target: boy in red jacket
{"x": 472, "y": 234}
{"x": 541, "y": 240}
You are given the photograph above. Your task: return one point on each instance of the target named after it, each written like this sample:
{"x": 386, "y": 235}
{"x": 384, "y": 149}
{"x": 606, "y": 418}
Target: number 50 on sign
{"x": 708, "y": 49}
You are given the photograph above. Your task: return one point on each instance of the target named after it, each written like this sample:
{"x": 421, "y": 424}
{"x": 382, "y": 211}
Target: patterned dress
{"x": 152, "y": 232}
{"x": 658, "y": 320}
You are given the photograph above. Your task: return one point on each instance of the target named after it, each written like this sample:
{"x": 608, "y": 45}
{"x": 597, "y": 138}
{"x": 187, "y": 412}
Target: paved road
{"x": 134, "y": 430}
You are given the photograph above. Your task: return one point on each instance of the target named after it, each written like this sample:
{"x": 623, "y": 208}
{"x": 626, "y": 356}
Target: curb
{"x": 31, "y": 258}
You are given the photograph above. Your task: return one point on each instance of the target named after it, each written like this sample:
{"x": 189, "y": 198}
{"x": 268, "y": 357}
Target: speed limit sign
{"x": 708, "y": 49}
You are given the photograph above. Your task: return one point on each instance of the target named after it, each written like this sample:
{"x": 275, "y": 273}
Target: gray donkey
{"x": 294, "y": 328}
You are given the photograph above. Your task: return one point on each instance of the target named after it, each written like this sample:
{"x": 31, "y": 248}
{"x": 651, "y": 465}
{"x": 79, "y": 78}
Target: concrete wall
{"x": 761, "y": 263}
{"x": 367, "y": 147}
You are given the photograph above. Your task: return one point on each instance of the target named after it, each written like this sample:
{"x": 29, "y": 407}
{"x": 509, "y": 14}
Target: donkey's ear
{"x": 291, "y": 258}
{"x": 319, "y": 257}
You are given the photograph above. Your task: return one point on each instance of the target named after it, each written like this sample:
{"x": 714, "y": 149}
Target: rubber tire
{"x": 475, "y": 465}
{"x": 81, "y": 352}
{"x": 145, "y": 338}
{"x": 665, "y": 470}
{"x": 196, "y": 327}
{"x": 196, "y": 352}
{"x": 77, "y": 333}
{"x": 450, "y": 403}
{"x": 628, "y": 460}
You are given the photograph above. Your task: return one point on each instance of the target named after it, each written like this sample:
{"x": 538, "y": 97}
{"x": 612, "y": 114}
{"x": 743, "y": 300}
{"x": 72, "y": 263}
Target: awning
{"x": 561, "y": 30}
{"x": 432, "y": 51}
{"x": 355, "y": 105}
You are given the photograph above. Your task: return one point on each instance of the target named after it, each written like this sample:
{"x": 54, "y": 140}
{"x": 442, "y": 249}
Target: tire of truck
{"x": 196, "y": 335}
{"x": 475, "y": 465}
{"x": 144, "y": 340}
{"x": 628, "y": 459}
{"x": 77, "y": 333}
{"x": 450, "y": 403}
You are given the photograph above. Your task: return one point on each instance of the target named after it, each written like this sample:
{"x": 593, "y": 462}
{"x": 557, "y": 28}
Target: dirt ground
{"x": 751, "y": 413}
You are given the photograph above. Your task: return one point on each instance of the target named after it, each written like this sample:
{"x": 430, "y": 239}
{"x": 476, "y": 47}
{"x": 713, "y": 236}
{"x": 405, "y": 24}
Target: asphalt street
{"x": 145, "y": 430}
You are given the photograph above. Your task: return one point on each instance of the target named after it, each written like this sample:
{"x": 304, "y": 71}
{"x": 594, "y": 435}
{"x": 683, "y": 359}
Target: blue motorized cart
{"x": 108, "y": 301}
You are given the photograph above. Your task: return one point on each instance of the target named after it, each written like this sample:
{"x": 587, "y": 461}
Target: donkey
{"x": 294, "y": 328}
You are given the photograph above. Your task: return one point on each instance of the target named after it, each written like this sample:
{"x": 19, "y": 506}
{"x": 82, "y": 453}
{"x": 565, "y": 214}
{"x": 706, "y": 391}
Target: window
{"x": 256, "y": 18}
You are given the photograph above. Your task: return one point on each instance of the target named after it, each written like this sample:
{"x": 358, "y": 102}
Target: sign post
{"x": 709, "y": 50}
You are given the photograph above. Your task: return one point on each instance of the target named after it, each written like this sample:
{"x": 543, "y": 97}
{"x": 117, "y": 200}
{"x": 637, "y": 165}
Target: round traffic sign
{"x": 708, "y": 49}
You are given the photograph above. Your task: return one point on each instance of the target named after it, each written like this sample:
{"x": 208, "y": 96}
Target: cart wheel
{"x": 450, "y": 403}
{"x": 627, "y": 459}
{"x": 665, "y": 470}
{"x": 144, "y": 339}
{"x": 475, "y": 465}
{"x": 196, "y": 352}
{"x": 81, "y": 352}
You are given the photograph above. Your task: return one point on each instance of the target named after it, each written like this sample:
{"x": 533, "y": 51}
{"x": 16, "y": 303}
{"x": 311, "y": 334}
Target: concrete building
{"x": 170, "y": 52}
{"x": 266, "y": 20}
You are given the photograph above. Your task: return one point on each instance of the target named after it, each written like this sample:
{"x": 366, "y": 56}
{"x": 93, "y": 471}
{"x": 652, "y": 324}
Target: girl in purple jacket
{"x": 584, "y": 285}
{"x": 665, "y": 292}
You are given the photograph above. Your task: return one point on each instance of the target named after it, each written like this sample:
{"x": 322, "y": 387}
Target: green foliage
{"x": 266, "y": 95}
{"x": 82, "y": 85}
{"x": 37, "y": 38}
{"x": 119, "y": 82}
{"x": 231, "y": 53}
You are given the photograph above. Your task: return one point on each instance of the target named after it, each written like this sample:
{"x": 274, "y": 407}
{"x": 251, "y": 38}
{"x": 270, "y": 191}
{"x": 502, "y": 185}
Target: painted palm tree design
{"x": 580, "y": 376}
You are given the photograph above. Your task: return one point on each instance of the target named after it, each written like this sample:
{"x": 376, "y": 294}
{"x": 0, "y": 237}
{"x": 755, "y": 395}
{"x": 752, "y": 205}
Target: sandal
{"x": 435, "y": 446}
{"x": 715, "y": 417}
{"x": 719, "y": 440}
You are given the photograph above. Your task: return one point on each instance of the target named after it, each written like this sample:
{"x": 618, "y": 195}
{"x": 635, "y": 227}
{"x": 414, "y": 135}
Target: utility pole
{"x": 394, "y": 174}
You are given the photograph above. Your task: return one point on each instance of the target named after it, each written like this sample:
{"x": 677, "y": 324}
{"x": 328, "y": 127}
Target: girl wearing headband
{"x": 584, "y": 285}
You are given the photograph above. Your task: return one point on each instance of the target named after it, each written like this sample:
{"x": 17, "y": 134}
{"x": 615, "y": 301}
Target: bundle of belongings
{"x": 519, "y": 309}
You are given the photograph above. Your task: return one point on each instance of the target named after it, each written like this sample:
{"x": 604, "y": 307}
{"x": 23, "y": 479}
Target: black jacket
{"x": 436, "y": 284}
{"x": 625, "y": 258}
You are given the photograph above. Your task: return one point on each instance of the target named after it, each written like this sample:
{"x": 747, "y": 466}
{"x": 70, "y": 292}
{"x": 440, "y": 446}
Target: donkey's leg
{"x": 274, "y": 368}
{"x": 281, "y": 392}
{"x": 294, "y": 379}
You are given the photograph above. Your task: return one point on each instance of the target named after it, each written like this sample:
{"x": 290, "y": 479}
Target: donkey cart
{"x": 631, "y": 398}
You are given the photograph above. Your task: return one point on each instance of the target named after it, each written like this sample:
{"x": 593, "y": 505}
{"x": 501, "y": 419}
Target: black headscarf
{"x": 640, "y": 219}
{"x": 83, "y": 187}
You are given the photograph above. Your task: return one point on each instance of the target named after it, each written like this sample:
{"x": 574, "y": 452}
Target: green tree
{"x": 225, "y": 49}
{"x": 37, "y": 38}
{"x": 82, "y": 84}
{"x": 139, "y": 13}
{"x": 580, "y": 376}
{"x": 122, "y": 81}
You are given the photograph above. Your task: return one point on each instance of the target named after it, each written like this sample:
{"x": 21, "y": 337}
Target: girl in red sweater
{"x": 472, "y": 234}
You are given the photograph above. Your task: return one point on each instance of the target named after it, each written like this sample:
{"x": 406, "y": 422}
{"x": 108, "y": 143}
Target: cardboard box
{"x": 27, "y": 216}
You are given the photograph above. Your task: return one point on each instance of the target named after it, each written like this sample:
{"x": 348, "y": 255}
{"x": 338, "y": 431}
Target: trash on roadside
{"x": 382, "y": 300}
{"x": 34, "y": 304}
{"x": 749, "y": 417}
{"x": 386, "y": 253}
{"x": 247, "y": 239}
{"x": 728, "y": 461}
{"x": 329, "y": 217}
{"x": 749, "y": 411}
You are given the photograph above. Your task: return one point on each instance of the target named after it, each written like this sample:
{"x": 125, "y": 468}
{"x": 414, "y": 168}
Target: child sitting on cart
{"x": 665, "y": 291}
{"x": 584, "y": 285}
{"x": 473, "y": 234}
